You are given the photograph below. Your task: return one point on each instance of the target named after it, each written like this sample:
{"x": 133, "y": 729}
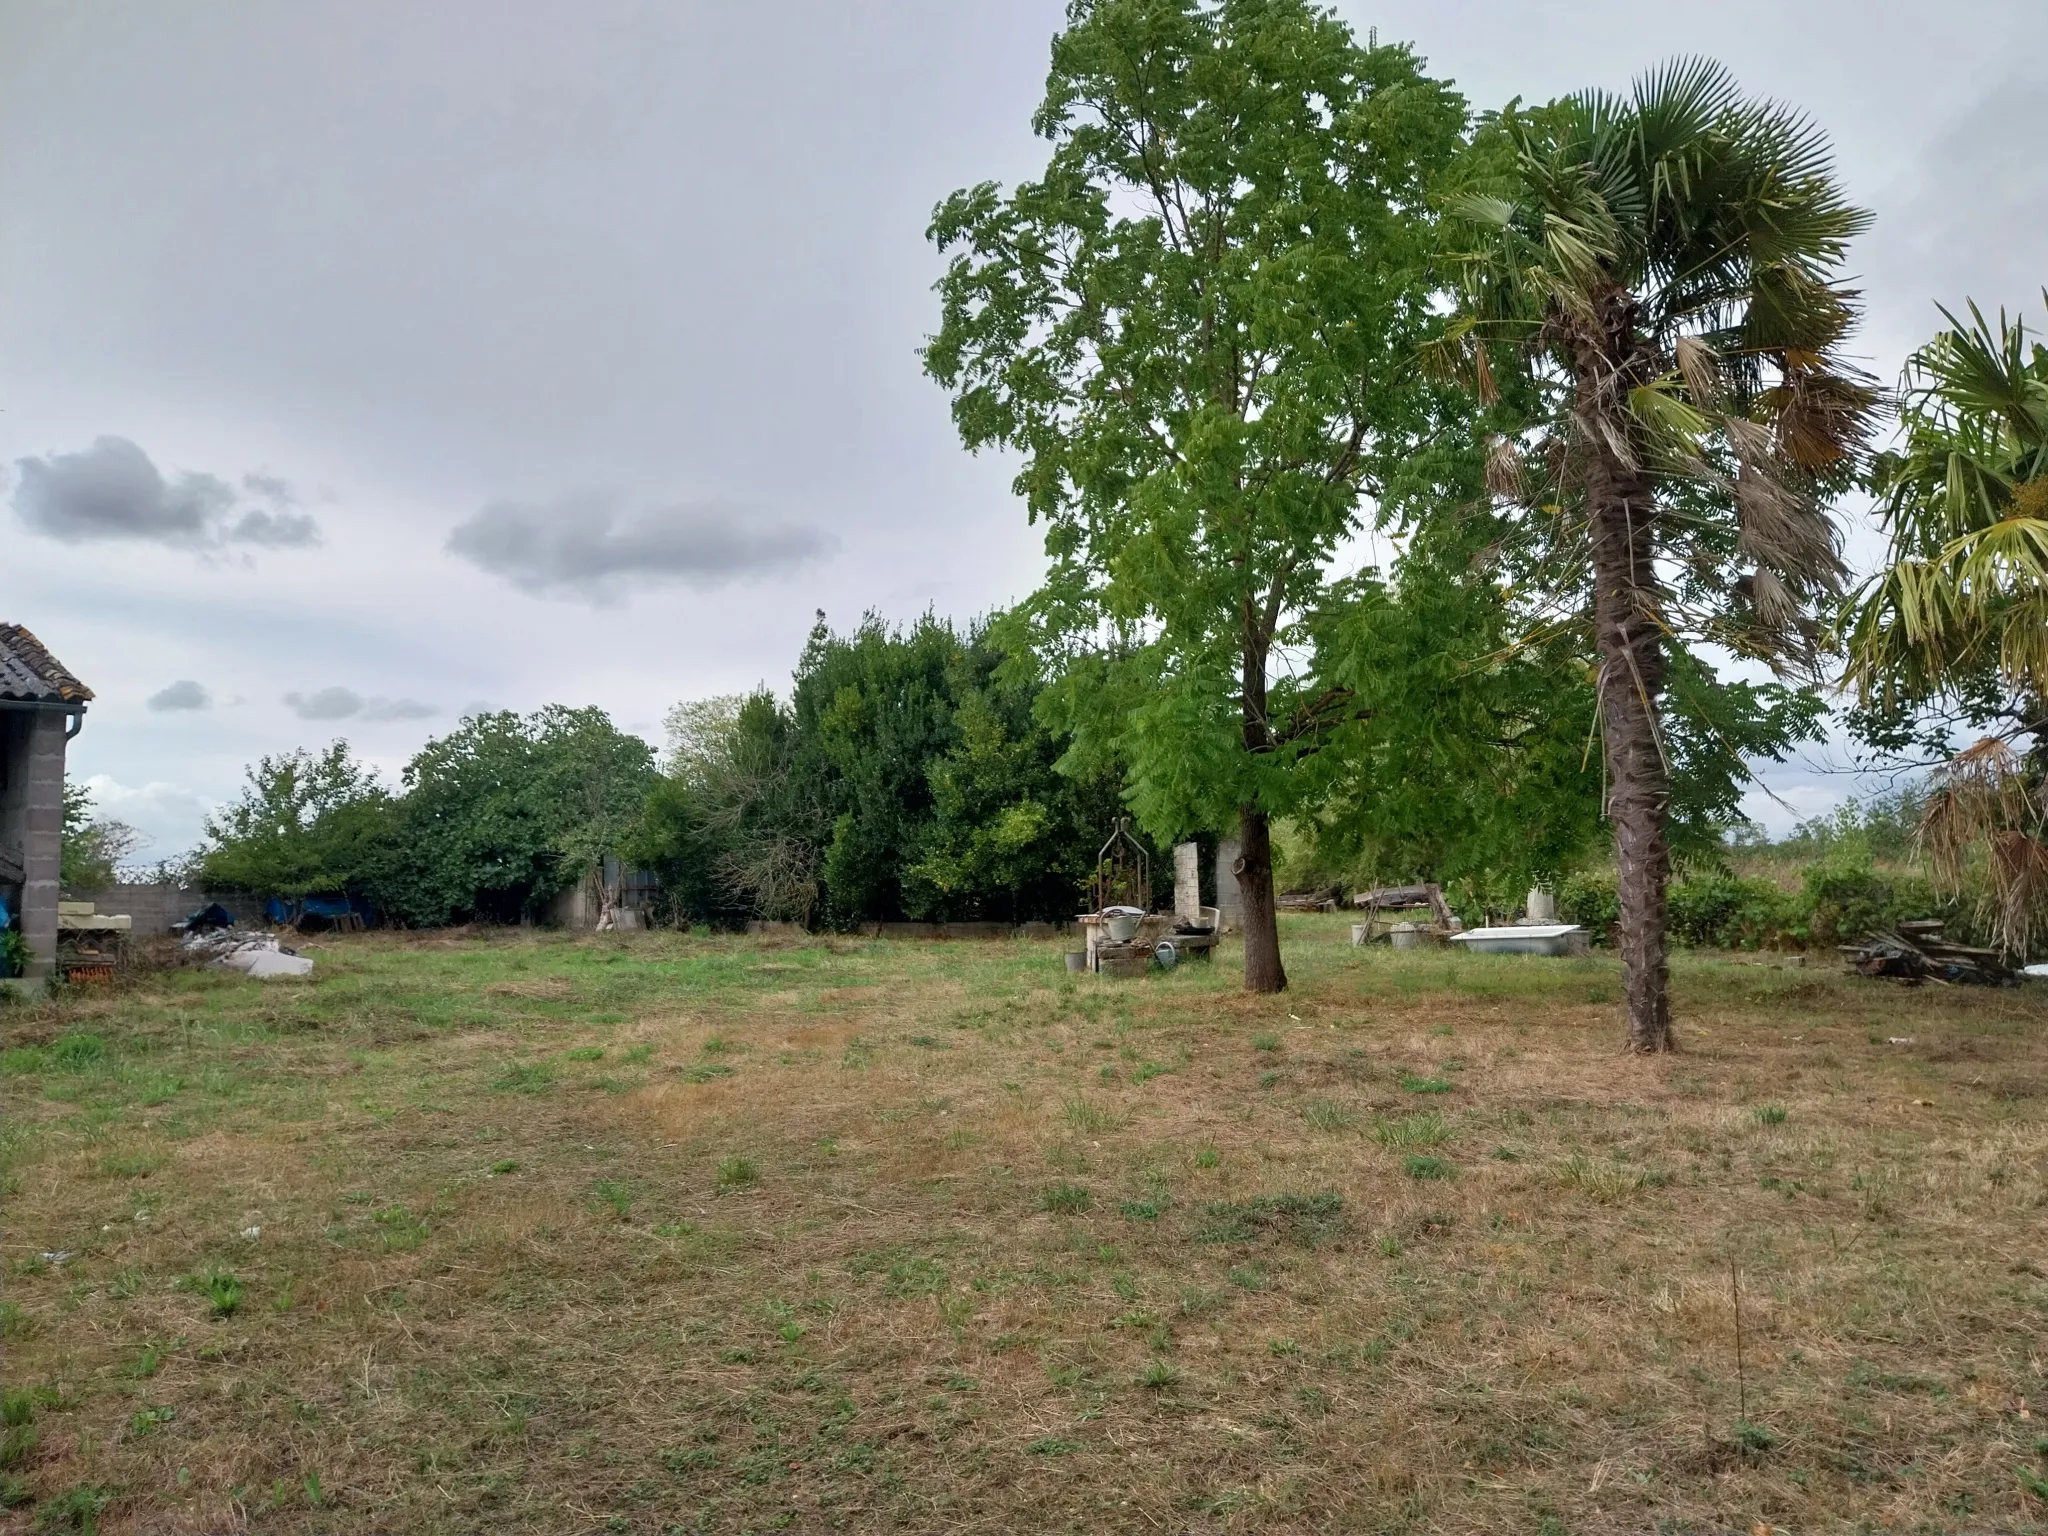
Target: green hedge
{"x": 1834, "y": 905}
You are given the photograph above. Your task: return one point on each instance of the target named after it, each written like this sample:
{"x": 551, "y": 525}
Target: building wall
{"x": 155, "y": 908}
{"x": 32, "y": 822}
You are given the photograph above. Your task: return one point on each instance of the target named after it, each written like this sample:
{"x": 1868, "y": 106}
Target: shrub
{"x": 1590, "y": 899}
{"x": 1720, "y": 911}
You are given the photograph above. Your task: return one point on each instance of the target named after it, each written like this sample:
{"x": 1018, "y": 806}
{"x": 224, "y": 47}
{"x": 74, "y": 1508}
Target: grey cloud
{"x": 397, "y": 709}
{"x": 327, "y": 704}
{"x": 580, "y": 547}
{"x": 113, "y": 491}
{"x": 276, "y": 530}
{"x": 345, "y": 703}
{"x": 181, "y": 695}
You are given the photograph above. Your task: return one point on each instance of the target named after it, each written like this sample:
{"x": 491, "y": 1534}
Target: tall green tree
{"x": 1198, "y": 330}
{"x": 1667, "y": 267}
{"x": 91, "y": 847}
{"x": 305, "y": 823}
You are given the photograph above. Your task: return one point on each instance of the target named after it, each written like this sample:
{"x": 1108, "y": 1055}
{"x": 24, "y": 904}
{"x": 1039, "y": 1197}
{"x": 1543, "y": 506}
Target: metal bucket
{"x": 1077, "y": 960}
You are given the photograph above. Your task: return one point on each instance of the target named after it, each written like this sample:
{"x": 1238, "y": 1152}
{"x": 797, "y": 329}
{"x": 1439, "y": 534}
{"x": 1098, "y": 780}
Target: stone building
{"x": 42, "y": 707}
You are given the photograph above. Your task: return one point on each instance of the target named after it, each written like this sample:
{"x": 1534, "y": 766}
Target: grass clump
{"x": 1428, "y": 1129}
{"x": 223, "y": 1292}
{"x": 1770, "y": 1114}
{"x": 1422, "y": 1166}
{"x": 1410, "y": 1083}
{"x": 1306, "y": 1220}
{"x": 1064, "y": 1199}
{"x": 1087, "y": 1118}
{"x": 1329, "y": 1115}
{"x": 735, "y": 1173}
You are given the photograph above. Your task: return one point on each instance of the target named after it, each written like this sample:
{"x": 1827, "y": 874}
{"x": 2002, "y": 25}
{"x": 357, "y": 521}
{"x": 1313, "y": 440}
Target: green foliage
{"x": 91, "y": 847}
{"x": 1837, "y": 902}
{"x": 908, "y": 777}
{"x": 14, "y": 952}
{"x": 1197, "y": 330}
{"x": 306, "y": 822}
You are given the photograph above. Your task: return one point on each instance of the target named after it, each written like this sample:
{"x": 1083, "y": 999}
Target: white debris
{"x": 252, "y": 1233}
{"x": 254, "y": 954}
{"x": 56, "y": 1255}
{"x": 1898, "y": 1039}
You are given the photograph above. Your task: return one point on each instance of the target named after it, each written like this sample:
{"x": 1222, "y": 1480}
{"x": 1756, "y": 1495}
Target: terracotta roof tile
{"x": 27, "y": 671}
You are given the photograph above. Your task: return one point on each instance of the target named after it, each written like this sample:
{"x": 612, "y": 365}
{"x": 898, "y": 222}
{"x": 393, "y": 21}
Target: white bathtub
{"x": 1546, "y": 939}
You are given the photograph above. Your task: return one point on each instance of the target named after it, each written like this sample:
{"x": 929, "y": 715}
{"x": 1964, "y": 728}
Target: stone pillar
{"x": 1542, "y": 906}
{"x": 1187, "y": 882}
{"x": 1229, "y": 904}
{"x": 42, "y": 826}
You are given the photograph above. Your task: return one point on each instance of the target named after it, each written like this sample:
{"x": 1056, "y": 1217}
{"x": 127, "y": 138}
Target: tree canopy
{"x": 1198, "y": 329}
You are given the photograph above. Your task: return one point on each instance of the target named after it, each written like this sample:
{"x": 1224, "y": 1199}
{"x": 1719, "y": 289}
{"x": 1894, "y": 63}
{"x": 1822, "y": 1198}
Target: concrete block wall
{"x": 38, "y": 813}
{"x": 156, "y": 907}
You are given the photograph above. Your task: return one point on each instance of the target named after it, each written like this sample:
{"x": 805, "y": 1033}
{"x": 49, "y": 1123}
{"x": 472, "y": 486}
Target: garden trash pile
{"x": 255, "y": 954}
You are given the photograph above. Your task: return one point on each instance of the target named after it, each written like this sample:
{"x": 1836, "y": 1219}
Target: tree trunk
{"x": 1621, "y": 511}
{"x": 1263, "y": 971}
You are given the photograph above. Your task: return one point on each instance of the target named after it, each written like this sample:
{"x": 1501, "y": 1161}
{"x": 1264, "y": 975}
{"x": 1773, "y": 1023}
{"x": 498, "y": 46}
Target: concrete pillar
{"x": 1187, "y": 882}
{"x": 1229, "y": 904}
{"x": 42, "y": 827}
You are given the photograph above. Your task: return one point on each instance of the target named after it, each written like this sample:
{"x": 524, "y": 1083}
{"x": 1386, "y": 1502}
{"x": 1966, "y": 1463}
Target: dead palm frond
{"x": 1982, "y": 806}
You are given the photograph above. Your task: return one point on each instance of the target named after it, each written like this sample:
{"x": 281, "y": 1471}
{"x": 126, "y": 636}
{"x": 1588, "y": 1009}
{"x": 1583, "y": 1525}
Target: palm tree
{"x": 1957, "y": 621}
{"x": 1959, "y": 614}
{"x": 1664, "y": 268}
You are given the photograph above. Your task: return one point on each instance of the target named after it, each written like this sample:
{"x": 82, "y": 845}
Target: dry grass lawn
{"x": 526, "y": 1233}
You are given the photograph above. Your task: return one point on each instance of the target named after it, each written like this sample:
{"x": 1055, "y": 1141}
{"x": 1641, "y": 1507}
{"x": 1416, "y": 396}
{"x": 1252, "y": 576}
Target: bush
{"x": 1836, "y": 904}
{"x": 1591, "y": 900}
{"x": 1718, "y": 911}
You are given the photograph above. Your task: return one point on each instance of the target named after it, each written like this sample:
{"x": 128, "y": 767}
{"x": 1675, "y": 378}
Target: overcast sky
{"x": 365, "y": 363}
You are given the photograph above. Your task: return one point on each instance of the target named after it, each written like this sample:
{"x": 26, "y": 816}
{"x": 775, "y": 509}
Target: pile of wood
{"x": 1915, "y": 952}
{"x": 1309, "y": 901}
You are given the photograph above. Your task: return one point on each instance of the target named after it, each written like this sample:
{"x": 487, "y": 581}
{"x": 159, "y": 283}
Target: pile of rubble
{"x": 1915, "y": 952}
{"x": 254, "y": 954}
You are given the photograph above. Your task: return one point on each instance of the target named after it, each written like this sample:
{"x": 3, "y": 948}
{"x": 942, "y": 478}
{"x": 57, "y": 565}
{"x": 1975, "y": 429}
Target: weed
{"x": 1089, "y": 1119}
{"x": 402, "y": 1231}
{"x": 705, "y": 1072}
{"x": 1282, "y": 1348}
{"x": 1428, "y": 1129}
{"x": 585, "y": 1053}
{"x": 1159, "y": 1375}
{"x": 1423, "y": 1167}
{"x": 1265, "y": 1041}
{"x": 75, "y": 1509}
{"x": 1051, "y": 1445}
{"x": 617, "y": 1194}
{"x": 1328, "y": 1115}
{"x": 1413, "y": 1084}
{"x": 74, "y": 1053}
{"x": 1754, "y": 1439}
{"x": 1145, "y": 1071}
{"x": 1769, "y": 1114}
{"x": 222, "y": 1290}
{"x": 1064, "y": 1199}
{"x": 146, "y": 1421}
{"x": 736, "y": 1173}
{"x": 525, "y": 1077}
{"x": 505, "y": 1165}
{"x": 1140, "y": 1210}
{"x": 634, "y": 1055}
{"x": 1207, "y": 1157}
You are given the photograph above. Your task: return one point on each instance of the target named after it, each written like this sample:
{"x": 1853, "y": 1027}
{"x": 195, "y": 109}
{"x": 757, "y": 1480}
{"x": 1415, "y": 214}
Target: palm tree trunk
{"x": 1263, "y": 971}
{"x": 1621, "y": 511}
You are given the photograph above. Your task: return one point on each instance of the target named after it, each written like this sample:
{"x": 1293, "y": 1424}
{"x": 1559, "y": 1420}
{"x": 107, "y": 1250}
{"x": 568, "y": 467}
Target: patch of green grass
{"x": 505, "y": 1165}
{"x": 617, "y": 1194}
{"x": 1769, "y": 1114}
{"x": 400, "y": 1230}
{"x": 1088, "y": 1118}
{"x": 1158, "y": 1375}
{"x": 76, "y": 1052}
{"x": 1307, "y": 1220}
{"x": 524, "y": 1077}
{"x": 1428, "y": 1129}
{"x": 1265, "y": 1040}
{"x": 147, "y": 1421}
{"x": 1145, "y": 1071}
{"x": 1329, "y": 1115}
{"x": 1051, "y": 1445}
{"x": 1410, "y": 1083}
{"x": 1140, "y": 1210}
{"x": 75, "y": 1509}
{"x": 1207, "y": 1157}
{"x": 1064, "y": 1199}
{"x": 634, "y": 1055}
{"x": 1420, "y": 1166}
{"x": 132, "y": 1165}
{"x": 705, "y": 1072}
{"x": 736, "y": 1172}
{"x": 584, "y": 1053}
